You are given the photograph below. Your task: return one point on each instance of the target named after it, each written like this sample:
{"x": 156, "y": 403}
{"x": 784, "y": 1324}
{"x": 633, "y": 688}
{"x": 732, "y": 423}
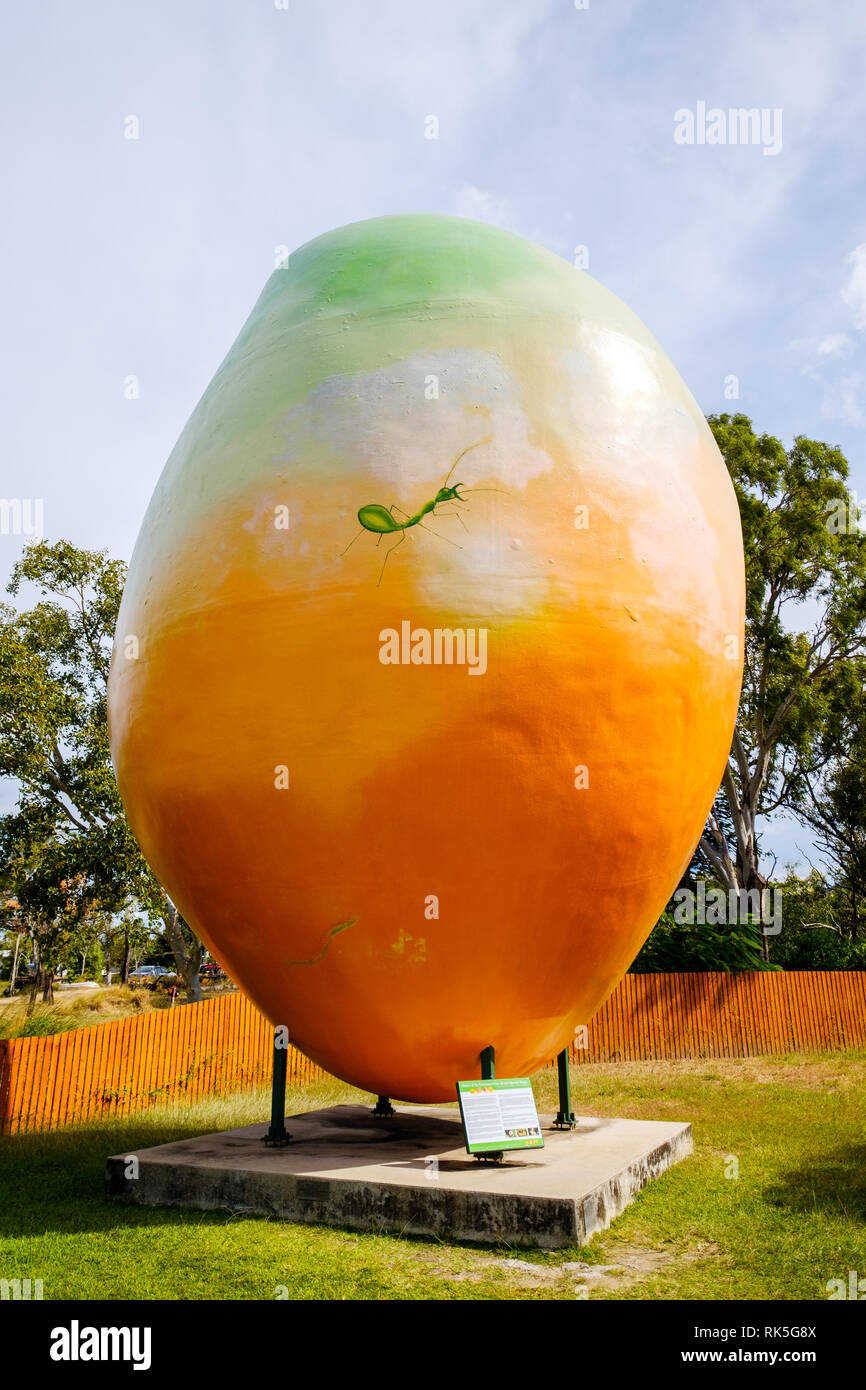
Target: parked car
{"x": 23, "y": 980}
{"x": 149, "y": 972}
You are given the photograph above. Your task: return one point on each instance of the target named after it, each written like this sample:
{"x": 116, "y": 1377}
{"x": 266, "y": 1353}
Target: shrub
{"x": 675, "y": 946}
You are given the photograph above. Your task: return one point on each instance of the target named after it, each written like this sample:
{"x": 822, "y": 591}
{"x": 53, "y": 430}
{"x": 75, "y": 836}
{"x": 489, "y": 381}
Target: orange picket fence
{"x": 651, "y": 1017}
{"x": 116, "y": 1068}
{"x": 222, "y": 1044}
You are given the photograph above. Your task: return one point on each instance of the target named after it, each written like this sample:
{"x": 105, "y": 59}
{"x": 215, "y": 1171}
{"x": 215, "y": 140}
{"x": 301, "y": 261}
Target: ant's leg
{"x": 459, "y": 518}
{"x": 437, "y": 535}
{"x": 352, "y": 541}
{"x": 388, "y": 556}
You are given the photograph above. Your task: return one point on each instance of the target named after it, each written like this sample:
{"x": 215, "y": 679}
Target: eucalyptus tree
{"x": 69, "y": 827}
{"x": 832, "y": 802}
{"x": 805, "y": 633}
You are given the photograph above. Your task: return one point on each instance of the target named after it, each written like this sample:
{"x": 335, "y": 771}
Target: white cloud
{"x": 480, "y": 206}
{"x": 854, "y": 289}
{"x": 830, "y": 345}
{"x": 449, "y": 61}
{"x": 843, "y": 402}
{"x": 833, "y": 344}
{"x": 842, "y": 399}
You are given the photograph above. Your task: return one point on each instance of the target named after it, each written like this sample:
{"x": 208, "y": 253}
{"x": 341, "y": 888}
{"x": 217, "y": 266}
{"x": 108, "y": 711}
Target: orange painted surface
{"x": 616, "y": 646}
{"x": 229, "y": 1044}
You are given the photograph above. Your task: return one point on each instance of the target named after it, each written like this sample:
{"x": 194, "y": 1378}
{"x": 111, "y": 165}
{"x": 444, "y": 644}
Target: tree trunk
{"x": 107, "y": 941}
{"x": 124, "y": 972}
{"x": 47, "y": 986}
{"x": 749, "y": 876}
{"x": 187, "y": 953}
{"x": 15, "y": 962}
{"x": 743, "y": 873}
{"x": 37, "y": 976}
{"x": 714, "y": 847}
{"x": 752, "y": 880}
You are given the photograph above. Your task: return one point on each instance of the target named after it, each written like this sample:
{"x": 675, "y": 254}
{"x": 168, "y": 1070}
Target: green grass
{"x": 82, "y": 1010}
{"x": 793, "y": 1219}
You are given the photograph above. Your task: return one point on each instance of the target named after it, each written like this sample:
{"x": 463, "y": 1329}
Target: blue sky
{"x": 262, "y": 126}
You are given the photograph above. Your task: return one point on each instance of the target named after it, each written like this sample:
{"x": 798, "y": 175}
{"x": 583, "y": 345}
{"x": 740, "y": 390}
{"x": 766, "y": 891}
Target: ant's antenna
{"x": 476, "y": 445}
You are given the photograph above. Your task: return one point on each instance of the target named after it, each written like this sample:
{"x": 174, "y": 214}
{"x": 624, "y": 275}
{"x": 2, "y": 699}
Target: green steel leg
{"x": 565, "y": 1119}
{"x": 278, "y": 1135}
{"x": 488, "y": 1073}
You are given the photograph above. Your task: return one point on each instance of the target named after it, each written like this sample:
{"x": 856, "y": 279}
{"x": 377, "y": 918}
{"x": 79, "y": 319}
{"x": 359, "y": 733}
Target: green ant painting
{"x": 380, "y": 520}
{"x": 326, "y": 941}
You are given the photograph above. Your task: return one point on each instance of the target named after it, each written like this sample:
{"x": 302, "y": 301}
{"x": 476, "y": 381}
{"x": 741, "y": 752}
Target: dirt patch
{"x": 630, "y": 1264}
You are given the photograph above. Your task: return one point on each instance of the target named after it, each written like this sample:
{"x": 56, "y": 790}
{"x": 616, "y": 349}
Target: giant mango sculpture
{"x": 429, "y": 657}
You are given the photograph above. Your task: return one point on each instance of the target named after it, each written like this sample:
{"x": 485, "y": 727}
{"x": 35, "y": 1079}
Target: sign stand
{"x": 488, "y": 1073}
{"x": 383, "y": 1109}
{"x": 278, "y": 1136}
{"x": 498, "y": 1115}
{"x": 565, "y": 1118}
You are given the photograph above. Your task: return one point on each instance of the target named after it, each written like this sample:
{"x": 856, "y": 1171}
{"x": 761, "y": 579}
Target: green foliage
{"x": 54, "y": 660}
{"x": 677, "y": 946}
{"x": 84, "y": 959}
{"x": 799, "y": 678}
{"x": 813, "y": 935}
{"x": 67, "y": 853}
{"x": 41, "y": 1024}
{"x": 832, "y": 802}
{"x": 791, "y": 554}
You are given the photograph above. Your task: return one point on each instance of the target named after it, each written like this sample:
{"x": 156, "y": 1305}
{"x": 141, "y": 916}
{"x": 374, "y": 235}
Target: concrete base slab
{"x": 411, "y": 1173}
